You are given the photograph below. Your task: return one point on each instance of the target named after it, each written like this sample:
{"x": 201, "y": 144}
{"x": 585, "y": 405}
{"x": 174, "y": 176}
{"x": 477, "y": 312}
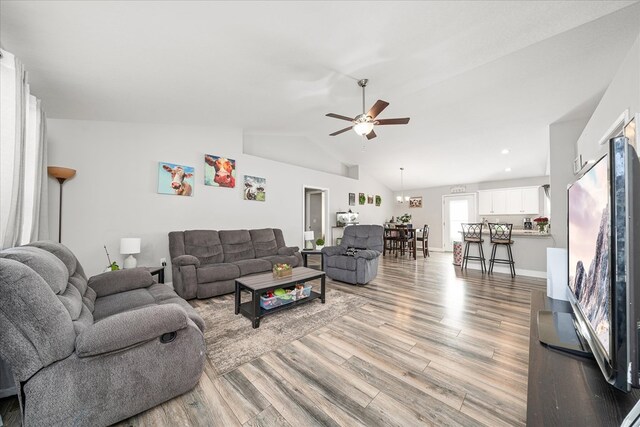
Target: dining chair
{"x": 424, "y": 238}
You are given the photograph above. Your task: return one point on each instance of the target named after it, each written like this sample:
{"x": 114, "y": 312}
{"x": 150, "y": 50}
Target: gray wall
{"x": 562, "y": 137}
{"x": 114, "y": 193}
{"x": 623, "y": 93}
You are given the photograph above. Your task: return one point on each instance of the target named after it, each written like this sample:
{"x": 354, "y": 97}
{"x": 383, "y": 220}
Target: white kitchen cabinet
{"x": 485, "y": 203}
{"x": 492, "y": 202}
{"x": 509, "y": 201}
{"x": 531, "y": 200}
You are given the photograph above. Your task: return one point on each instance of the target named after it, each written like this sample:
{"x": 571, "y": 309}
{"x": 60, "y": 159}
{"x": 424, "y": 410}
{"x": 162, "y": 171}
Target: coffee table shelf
{"x": 261, "y": 283}
{"x": 246, "y": 308}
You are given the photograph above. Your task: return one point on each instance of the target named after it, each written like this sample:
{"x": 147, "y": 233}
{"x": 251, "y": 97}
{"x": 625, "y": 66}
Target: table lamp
{"x": 130, "y": 246}
{"x": 308, "y": 239}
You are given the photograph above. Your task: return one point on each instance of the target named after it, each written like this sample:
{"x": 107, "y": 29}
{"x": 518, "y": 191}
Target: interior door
{"x": 457, "y": 209}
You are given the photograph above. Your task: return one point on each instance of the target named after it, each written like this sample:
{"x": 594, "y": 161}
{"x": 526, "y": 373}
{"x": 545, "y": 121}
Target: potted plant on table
{"x": 319, "y": 244}
{"x": 405, "y": 218}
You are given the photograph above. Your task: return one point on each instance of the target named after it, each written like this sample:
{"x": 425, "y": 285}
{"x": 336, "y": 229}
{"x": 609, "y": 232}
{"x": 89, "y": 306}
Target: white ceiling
{"x": 475, "y": 77}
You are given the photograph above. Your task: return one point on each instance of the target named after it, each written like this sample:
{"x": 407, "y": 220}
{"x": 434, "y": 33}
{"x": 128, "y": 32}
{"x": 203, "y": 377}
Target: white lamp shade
{"x": 308, "y": 235}
{"x": 130, "y": 245}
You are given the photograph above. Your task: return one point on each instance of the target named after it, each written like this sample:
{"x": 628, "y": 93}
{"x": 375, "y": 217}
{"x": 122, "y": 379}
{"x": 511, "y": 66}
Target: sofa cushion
{"x": 341, "y": 261}
{"x": 214, "y": 272}
{"x": 124, "y": 301}
{"x": 292, "y": 260}
{"x": 236, "y": 245}
{"x": 47, "y": 265}
{"x": 252, "y": 266}
{"x": 63, "y": 253}
{"x": 264, "y": 242}
{"x": 204, "y": 245}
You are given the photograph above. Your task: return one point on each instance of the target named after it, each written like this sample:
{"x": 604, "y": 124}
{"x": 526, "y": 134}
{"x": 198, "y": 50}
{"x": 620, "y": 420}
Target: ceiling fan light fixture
{"x": 363, "y": 128}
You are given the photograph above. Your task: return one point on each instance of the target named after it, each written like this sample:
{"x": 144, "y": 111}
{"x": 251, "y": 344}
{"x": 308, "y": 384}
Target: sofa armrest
{"x": 367, "y": 254}
{"x": 129, "y": 328}
{"x": 288, "y": 250}
{"x": 183, "y": 260}
{"x": 113, "y": 282}
{"x": 333, "y": 250}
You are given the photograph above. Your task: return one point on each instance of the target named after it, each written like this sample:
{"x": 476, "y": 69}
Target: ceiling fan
{"x": 363, "y": 123}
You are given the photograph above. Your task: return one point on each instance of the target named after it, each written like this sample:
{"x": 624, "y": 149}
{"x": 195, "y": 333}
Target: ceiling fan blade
{"x": 338, "y": 116}
{"x": 377, "y": 108}
{"x": 403, "y": 121}
{"x": 340, "y": 131}
{"x": 371, "y": 135}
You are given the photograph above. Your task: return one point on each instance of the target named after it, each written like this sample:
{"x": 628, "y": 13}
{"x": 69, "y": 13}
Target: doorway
{"x": 316, "y": 213}
{"x": 456, "y": 210}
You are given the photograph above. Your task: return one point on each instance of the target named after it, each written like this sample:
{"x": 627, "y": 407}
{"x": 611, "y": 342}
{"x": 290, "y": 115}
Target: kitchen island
{"x": 529, "y": 253}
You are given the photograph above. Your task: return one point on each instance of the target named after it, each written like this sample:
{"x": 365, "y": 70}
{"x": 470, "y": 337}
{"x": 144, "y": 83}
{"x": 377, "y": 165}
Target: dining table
{"x": 395, "y": 239}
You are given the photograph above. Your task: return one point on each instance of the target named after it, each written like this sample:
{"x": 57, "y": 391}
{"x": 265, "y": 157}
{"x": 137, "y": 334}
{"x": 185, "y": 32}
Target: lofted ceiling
{"x": 475, "y": 77}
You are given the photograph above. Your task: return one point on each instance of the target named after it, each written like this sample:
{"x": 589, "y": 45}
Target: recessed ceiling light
{"x": 591, "y": 161}
{"x": 505, "y": 151}
{"x": 507, "y": 170}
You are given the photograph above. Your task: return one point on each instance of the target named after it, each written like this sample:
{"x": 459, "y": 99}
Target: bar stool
{"x": 500, "y": 235}
{"x": 472, "y": 234}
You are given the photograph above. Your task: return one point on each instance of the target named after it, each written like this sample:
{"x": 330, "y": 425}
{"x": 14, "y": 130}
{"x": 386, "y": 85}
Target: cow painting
{"x": 219, "y": 171}
{"x": 175, "y": 179}
{"x": 255, "y": 188}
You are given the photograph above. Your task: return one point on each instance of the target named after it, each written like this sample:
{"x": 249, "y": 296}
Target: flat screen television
{"x": 603, "y": 234}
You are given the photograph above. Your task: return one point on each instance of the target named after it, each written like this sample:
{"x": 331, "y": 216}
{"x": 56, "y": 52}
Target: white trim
{"x": 505, "y": 270}
{"x": 328, "y": 238}
{"x": 436, "y": 249}
{"x": 618, "y": 123}
{"x": 475, "y": 203}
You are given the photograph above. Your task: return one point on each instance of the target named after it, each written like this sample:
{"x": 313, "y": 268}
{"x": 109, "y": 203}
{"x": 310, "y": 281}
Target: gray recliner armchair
{"x": 356, "y": 259}
{"x": 97, "y": 351}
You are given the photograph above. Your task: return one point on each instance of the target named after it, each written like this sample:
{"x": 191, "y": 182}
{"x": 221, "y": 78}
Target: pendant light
{"x": 402, "y": 198}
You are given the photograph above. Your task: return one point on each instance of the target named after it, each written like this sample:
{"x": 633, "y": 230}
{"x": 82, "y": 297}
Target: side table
{"x": 306, "y": 253}
{"x": 159, "y": 271}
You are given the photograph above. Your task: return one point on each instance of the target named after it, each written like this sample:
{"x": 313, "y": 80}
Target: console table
{"x": 567, "y": 390}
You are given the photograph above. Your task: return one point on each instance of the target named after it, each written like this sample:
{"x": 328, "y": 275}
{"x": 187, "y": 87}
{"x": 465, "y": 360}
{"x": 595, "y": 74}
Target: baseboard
{"x": 505, "y": 270}
{"x": 435, "y": 249}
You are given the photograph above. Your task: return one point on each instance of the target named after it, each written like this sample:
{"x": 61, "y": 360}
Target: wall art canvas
{"x": 362, "y": 199}
{"x": 370, "y": 199}
{"x": 352, "y": 199}
{"x": 378, "y": 200}
{"x": 415, "y": 202}
{"x": 255, "y": 188}
{"x": 219, "y": 171}
{"x": 175, "y": 179}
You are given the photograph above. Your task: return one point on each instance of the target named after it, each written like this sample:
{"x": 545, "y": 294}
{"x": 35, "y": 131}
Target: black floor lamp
{"x": 61, "y": 174}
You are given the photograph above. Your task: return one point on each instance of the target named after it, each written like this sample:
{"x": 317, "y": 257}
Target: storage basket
{"x": 277, "y": 301}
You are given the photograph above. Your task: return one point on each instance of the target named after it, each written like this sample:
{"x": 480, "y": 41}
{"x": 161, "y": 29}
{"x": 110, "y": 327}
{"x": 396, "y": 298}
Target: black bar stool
{"x": 472, "y": 234}
{"x": 500, "y": 235}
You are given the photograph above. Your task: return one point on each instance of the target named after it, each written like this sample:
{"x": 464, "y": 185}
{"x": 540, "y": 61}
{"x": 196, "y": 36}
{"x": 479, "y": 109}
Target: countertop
{"x": 520, "y": 233}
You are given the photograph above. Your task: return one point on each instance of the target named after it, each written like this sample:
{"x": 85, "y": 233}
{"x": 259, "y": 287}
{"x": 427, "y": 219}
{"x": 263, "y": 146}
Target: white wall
{"x": 623, "y": 93}
{"x": 114, "y": 193}
{"x": 431, "y": 211}
{"x": 562, "y": 147}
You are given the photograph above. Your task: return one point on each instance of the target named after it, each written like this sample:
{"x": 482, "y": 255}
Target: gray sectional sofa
{"x": 205, "y": 263}
{"x": 96, "y": 351}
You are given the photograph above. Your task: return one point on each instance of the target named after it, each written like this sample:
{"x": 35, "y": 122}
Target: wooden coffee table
{"x": 260, "y": 283}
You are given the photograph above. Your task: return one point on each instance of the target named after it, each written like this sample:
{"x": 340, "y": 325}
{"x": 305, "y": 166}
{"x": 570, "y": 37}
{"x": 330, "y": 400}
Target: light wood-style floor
{"x": 433, "y": 347}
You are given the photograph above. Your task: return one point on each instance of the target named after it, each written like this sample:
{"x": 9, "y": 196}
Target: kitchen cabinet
{"x": 491, "y": 202}
{"x": 509, "y": 201}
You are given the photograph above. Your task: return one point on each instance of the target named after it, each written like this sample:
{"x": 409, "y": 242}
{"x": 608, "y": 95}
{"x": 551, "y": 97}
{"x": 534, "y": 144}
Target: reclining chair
{"x": 355, "y": 261}
{"x": 92, "y": 352}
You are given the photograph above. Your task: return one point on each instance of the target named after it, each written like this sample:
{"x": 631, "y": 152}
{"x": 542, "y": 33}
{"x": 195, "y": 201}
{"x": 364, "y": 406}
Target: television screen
{"x": 590, "y": 231}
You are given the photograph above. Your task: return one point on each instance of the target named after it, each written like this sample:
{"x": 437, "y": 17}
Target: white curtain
{"x": 23, "y": 158}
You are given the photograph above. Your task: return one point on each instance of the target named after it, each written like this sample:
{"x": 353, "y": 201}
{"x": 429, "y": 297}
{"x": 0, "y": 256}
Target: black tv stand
{"x": 558, "y": 330}
{"x": 565, "y": 389}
